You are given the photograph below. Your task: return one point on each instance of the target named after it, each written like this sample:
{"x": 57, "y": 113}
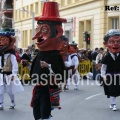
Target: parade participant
{"x": 9, "y": 81}
{"x": 48, "y": 61}
{"x": 110, "y": 69}
{"x": 75, "y": 62}
{"x": 64, "y": 50}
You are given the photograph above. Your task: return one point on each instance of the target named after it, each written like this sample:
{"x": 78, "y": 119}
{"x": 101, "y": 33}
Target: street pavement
{"x": 87, "y": 103}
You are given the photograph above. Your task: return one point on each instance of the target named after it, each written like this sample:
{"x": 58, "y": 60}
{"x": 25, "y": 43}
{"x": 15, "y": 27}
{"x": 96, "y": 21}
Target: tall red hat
{"x": 50, "y": 13}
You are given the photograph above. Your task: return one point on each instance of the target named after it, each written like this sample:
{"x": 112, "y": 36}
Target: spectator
{"x": 100, "y": 55}
{"x": 26, "y": 58}
{"x": 85, "y": 55}
{"x": 90, "y": 55}
{"x": 98, "y": 62}
{"x": 32, "y": 49}
{"x": 94, "y": 54}
{"x": 17, "y": 53}
{"x": 20, "y": 52}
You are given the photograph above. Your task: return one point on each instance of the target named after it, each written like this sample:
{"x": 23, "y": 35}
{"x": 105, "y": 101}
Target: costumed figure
{"x": 110, "y": 69}
{"x": 75, "y": 62}
{"x": 48, "y": 63}
{"x": 64, "y": 50}
{"x": 9, "y": 81}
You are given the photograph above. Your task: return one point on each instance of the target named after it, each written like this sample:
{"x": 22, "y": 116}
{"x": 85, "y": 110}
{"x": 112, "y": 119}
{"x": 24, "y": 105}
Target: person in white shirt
{"x": 98, "y": 64}
{"x": 75, "y": 62}
{"x": 9, "y": 81}
{"x": 100, "y": 55}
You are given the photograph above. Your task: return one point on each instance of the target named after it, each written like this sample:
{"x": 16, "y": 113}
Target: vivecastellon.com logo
{"x": 112, "y": 8}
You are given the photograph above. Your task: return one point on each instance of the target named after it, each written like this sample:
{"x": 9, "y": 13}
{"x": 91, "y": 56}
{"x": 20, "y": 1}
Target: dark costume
{"x": 112, "y": 69}
{"x": 48, "y": 62}
{"x": 42, "y": 92}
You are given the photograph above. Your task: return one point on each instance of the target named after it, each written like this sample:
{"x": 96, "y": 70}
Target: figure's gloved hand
{"x": 43, "y": 64}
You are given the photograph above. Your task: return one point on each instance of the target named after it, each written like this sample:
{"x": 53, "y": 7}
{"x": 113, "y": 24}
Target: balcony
{"x": 8, "y": 8}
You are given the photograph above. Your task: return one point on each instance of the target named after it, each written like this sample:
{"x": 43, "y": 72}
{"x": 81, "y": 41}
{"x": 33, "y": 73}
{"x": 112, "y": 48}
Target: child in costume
{"x": 110, "y": 69}
{"x": 9, "y": 81}
{"x": 48, "y": 61}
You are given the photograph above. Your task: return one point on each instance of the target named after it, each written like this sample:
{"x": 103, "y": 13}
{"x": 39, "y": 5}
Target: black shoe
{"x": 1, "y": 107}
{"x": 12, "y": 106}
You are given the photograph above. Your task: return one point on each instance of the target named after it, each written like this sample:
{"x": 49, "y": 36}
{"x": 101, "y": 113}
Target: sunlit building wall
{"x": 81, "y": 15}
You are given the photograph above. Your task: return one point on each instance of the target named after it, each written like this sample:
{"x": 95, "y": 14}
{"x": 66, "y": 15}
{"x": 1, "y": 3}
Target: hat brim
{"x": 6, "y": 34}
{"x": 50, "y": 19}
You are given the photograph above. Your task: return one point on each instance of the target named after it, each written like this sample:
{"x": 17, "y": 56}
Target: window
{"x": 69, "y": 2}
{"x": 15, "y": 15}
{"x": 27, "y": 14}
{"x": 31, "y": 7}
{"x": 23, "y": 14}
{"x": 115, "y": 23}
{"x": 36, "y": 8}
{"x": 63, "y": 3}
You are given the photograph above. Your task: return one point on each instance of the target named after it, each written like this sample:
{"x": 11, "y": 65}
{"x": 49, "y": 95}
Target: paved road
{"x": 87, "y": 103}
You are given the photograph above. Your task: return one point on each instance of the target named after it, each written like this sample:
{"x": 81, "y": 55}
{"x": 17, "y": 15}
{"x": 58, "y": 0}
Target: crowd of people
{"x": 25, "y": 56}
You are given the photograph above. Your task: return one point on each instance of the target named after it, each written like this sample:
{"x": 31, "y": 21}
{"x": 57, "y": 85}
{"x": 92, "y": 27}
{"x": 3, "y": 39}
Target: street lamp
{"x": 33, "y": 15}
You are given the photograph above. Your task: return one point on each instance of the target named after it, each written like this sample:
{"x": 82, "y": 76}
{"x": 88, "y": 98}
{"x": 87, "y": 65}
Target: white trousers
{"x": 75, "y": 79}
{"x": 12, "y": 98}
{"x": 112, "y": 100}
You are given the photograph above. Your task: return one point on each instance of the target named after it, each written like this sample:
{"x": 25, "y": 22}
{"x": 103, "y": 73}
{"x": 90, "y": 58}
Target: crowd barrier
{"x": 24, "y": 72}
{"x": 84, "y": 67}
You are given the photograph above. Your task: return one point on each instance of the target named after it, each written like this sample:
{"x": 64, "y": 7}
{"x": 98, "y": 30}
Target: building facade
{"x": 6, "y": 13}
{"x": 92, "y": 16}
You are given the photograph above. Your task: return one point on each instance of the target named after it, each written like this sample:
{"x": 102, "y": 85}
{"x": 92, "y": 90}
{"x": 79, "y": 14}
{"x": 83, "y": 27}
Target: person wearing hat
{"x": 110, "y": 69}
{"x": 47, "y": 62}
{"x": 75, "y": 62}
{"x": 9, "y": 81}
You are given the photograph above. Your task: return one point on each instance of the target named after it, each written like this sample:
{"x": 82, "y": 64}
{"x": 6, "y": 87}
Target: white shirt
{"x": 69, "y": 62}
{"x": 75, "y": 60}
{"x": 98, "y": 58}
